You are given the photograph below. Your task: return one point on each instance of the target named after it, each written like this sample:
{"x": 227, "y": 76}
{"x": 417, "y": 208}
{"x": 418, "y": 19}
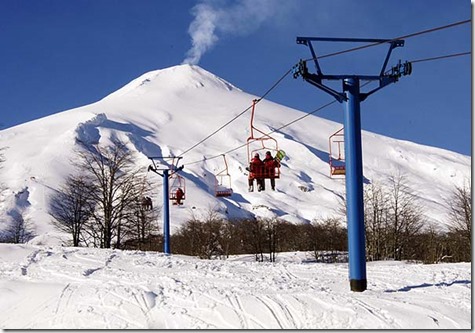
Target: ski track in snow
{"x": 60, "y": 287}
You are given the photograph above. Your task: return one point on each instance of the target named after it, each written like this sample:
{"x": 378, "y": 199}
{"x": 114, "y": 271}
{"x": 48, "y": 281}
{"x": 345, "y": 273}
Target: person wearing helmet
{"x": 256, "y": 170}
{"x": 269, "y": 168}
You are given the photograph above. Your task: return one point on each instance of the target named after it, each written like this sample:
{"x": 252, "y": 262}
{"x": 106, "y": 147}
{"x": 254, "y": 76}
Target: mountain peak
{"x": 174, "y": 78}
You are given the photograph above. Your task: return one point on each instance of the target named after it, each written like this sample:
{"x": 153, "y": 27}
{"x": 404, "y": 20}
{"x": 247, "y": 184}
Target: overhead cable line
{"x": 240, "y": 114}
{"x": 273, "y": 131}
{"x": 441, "y": 57}
{"x": 328, "y": 104}
{"x": 324, "y": 56}
{"x": 393, "y": 39}
{"x": 320, "y": 108}
{"x": 267, "y": 134}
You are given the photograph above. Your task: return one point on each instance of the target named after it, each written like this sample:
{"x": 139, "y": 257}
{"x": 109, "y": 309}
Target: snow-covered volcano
{"x": 166, "y": 112}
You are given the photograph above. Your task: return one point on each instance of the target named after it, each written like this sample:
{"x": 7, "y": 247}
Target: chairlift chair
{"x": 260, "y": 145}
{"x": 337, "y": 153}
{"x": 222, "y": 186}
{"x": 176, "y": 182}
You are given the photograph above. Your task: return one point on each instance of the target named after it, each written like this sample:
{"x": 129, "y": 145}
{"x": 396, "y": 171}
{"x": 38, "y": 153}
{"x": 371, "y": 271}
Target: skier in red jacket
{"x": 270, "y": 164}
{"x": 256, "y": 171}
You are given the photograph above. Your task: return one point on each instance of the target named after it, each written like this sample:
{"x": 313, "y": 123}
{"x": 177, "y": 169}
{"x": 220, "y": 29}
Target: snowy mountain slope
{"x": 165, "y": 112}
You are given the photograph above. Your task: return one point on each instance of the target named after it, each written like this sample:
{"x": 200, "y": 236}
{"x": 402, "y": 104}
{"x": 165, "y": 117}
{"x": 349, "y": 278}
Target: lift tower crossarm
{"x": 384, "y": 78}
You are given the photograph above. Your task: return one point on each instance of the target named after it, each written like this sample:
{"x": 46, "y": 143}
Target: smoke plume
{"x": 213, "y": 19}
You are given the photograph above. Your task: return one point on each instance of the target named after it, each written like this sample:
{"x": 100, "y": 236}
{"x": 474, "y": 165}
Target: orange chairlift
{"x": 176, "y": 183}
{"x": 337, "y": 153}
{"x": 260, "y": 145}
{"x": 222, "y": 187}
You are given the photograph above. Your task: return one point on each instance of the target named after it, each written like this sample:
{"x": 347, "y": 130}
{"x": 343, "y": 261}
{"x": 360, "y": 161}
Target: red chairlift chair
{"x": 260, "y": 145}
{"x": 337, "y": 153}
{"x": 176, "y": 182}
{"x": 222, "y": 186}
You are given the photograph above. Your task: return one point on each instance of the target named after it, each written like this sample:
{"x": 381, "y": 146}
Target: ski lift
{"x": 177, "y": 188}
{"x": 337, "y": 153}
{"x": 260, "y": 145}
{"x": 222, "y": 186}
{"x": 177, "y": 185}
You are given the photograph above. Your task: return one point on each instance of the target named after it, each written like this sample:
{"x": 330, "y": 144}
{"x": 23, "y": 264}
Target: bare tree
{"x": 375, "y": 210}
{"x": 117, "y": 186}
{"x": 72, "y": 206}
{"x": 431, "y": 246}
{"x": 404, "y": 217}
{"x": 206, "y": 238}
{"x": 292, "y": 237}
{"x": 257, "y": 237}
{"x": 329, "y": 238}
{"x": 143, "y": 226}
{"x": 249, "y": 235}
{"x": 19, "y": 231}
{"x": 460, "y": 221}
{"x": 460, "y": 214}
{"x": 188, "y": 238}
{"x": 271, "y": 228}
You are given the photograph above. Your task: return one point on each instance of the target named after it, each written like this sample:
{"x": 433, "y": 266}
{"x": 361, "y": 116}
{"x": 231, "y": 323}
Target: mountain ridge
{"x": 177, "y": 108}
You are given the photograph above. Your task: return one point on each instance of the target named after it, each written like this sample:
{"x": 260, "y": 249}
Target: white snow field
{"x": 46, "y": 284}
{"x": 85, "y": 288}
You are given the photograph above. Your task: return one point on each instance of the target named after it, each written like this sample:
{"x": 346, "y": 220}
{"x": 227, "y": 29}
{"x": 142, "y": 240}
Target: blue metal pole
{"x": 354, "y": 186}
{"x": 166, "y": 214}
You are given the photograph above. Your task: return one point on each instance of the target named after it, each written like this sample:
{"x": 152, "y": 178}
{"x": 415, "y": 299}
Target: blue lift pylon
{"x": 164, "y": 168}
{"x": 351, "y": 96}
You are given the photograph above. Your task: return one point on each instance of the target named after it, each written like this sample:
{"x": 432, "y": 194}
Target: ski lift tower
{"x": 351, "y": 96}
{"x": 162, "y": 169}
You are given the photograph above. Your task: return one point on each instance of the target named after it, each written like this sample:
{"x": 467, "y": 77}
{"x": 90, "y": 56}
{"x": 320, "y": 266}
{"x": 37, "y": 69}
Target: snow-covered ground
{"x": 84, "y": 288}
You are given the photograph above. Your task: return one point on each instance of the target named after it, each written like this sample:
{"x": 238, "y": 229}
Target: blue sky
{"x": 57, "y": 55}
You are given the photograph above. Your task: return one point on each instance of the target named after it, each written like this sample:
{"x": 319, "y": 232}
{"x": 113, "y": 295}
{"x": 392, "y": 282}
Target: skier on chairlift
{"x": 270, "y": 164}
{"x": 256, "y": 169}
{"x": 179, "y": 196}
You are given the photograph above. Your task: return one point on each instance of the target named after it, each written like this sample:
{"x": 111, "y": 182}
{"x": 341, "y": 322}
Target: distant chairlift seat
{"x": 222, "y": 186}
{"x": 226, "y": 192}
{"x": 338, "y": 170}
{"x": 336, "y": 158}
